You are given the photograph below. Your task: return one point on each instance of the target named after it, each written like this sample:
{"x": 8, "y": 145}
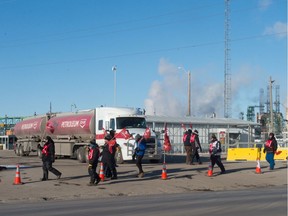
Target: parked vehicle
{"x": 72, "y": 132}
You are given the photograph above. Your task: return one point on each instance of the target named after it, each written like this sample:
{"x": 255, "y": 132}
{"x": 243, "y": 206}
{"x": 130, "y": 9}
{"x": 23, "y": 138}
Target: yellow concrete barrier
{"x": 281, "y": 154}
{"x": 251, "y": 154}
{"x": 242, "y": 154}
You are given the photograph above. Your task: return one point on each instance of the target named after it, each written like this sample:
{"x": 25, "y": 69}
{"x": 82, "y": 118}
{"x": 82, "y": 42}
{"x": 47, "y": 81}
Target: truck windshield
{"x": 130, "y": 122}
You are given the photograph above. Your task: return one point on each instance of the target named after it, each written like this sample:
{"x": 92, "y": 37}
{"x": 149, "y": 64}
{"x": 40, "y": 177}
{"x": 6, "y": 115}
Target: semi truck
{"x": 72, "y": 132}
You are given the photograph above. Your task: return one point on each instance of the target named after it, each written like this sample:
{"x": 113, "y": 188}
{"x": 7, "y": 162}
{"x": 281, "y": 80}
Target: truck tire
{"x": 17, "y": 150}
{"x": 86, "y": 154}
{"x": 81, "y": 156}
{"x": 21, "y": 150}
{"x": 119, "y": 157}
{"x": 39, "y": 153}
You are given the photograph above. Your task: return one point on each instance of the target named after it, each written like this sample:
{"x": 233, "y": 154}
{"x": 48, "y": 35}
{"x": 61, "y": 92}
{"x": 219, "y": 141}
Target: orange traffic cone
{"x": 101, "y": 174}
{"x": 210, "y": 170}
{"x": 17, "y": 179}
{"x": 164, "y": 172}
{"x": 258, "y": 167}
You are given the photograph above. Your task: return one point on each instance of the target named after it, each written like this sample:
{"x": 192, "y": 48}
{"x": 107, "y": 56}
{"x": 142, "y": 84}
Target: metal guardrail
{"x": 179, "y": 148}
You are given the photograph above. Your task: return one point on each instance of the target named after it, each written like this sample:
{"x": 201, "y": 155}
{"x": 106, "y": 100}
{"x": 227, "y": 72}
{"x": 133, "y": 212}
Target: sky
{"x": 62, "y": 53}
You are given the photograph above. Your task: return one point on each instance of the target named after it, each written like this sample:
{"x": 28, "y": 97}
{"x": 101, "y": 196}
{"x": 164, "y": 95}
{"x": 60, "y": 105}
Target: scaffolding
{"x": 7, "y": 123}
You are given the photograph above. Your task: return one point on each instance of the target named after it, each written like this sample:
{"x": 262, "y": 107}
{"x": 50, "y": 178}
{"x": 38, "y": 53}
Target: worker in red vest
{"x": 270, "y": 149}
{"x": 48, "y": 157}
{"x": 108, "y": 156}
{"x": 93, "y": 157}
{"x": 215, "y": 153}
{"x": 188, "y": 146}
{"x": 196, "y": 146}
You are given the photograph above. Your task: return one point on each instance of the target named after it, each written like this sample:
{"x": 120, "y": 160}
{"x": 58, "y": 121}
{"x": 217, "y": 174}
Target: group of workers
{"x": 107, "y": 156}
{"x": 192, "y": 147}
{"x": 190, "y": 140}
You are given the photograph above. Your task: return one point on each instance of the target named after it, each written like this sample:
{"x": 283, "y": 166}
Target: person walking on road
{"x": 188, "y": 146}
{"x": 108, "y": 156}
{"x": 139, "y": 148}
{"x": 93, "y": 157}
{"x": 48, "y": 157}
{"x": 116, "y": 149}
{"x": 270, "y": 148}
{"x": 215, "y": 153}
{"x": 196, "y": 146}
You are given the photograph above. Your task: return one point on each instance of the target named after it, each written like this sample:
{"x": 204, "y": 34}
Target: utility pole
{"x": 271, "y": 105}
{"x": 189, "y": 94}
{"x": 188, "y": 91}
{"x": 114, "y": 68}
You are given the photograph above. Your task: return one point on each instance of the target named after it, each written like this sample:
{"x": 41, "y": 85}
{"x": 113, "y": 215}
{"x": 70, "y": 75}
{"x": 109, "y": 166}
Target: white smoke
{"x": 165, "y": 96}
{"x": 169, "y": 96}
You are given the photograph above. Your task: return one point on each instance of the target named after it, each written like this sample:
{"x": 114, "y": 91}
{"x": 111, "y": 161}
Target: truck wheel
{"x": 39, "y": 153}
{"x": 17, "y": 150}
{"x": 81, "y": 155}
{"x": 21, "y": 150}
{"x": 86, "y": 155}
{"x": 119, "y": 157}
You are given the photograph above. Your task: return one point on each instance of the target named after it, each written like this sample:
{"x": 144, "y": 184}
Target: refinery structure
{"x": 268, "y": 112}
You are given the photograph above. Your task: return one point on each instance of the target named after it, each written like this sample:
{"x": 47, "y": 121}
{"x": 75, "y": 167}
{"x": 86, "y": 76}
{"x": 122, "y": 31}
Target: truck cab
{"x": 131, "y": 121}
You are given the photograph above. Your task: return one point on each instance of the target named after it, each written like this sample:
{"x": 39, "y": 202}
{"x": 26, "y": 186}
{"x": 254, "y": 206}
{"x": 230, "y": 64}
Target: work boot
{"x": 97, "y": 180}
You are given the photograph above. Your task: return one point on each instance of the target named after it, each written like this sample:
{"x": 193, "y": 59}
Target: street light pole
{"x": 271, "y": 105}
{"x": 189, "y": 94}
{"x": 189, "y": 91}
{"x": 114, "y": 68}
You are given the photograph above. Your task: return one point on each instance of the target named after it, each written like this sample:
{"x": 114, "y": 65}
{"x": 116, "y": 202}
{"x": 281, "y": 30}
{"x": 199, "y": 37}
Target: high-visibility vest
{"x": 215, "y": 145}
{"x": 45, "y": 150}
{"x": 268, "y": 143}
{"x": 90, "y": 153}
{"x": 111, "y": 144}
{"x": 211, "y": 147}
{"x": 192, "y": 138}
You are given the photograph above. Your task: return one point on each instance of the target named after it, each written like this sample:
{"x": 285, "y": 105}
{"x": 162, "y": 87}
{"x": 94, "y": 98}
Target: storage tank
{"x": 34, "y": 126}
{"x": 75, "y": 125}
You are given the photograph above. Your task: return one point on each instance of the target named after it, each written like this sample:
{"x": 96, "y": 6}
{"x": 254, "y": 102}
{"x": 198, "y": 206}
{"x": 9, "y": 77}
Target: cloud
{"x": 279, "y": 28}
{"x": 264, "y": 4}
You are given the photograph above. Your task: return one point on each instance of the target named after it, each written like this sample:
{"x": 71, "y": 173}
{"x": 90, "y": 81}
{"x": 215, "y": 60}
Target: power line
{"x": 118, "y": 24}
{"x": 111, "y": 25}
{"x": 140, "y": 52}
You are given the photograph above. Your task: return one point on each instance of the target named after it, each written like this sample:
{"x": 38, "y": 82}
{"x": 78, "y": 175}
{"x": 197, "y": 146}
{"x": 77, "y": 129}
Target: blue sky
{"x": 63, "y": 51}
